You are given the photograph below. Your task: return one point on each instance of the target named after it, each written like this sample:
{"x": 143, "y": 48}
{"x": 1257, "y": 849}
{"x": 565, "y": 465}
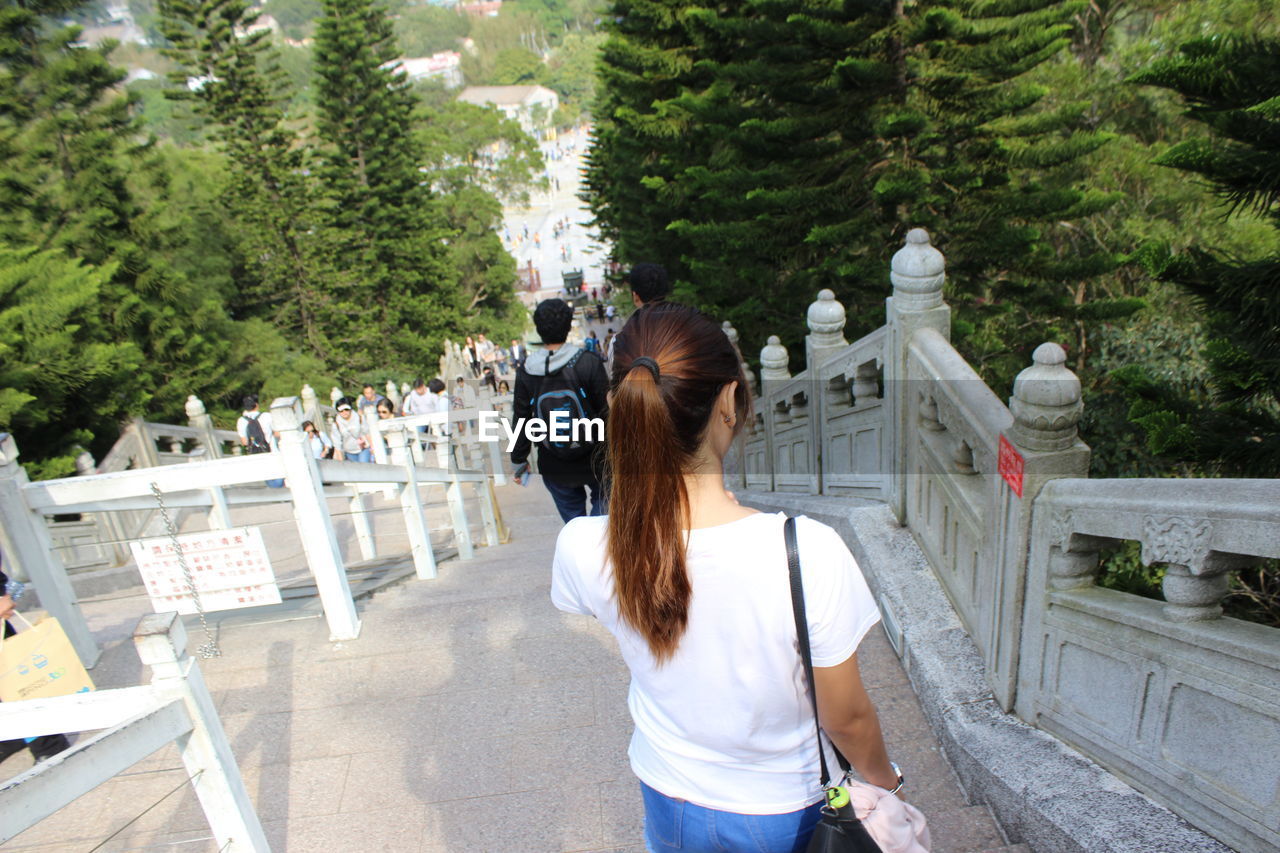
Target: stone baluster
{"x": 866, "y": 383}
{"x": 1196, "y": 577}
{"x": 838, "y": 391}
{"x": 917, "y": 272}
{"x": 335, "y": 394}
{"x": 774, "y": 361}
{"x": 311, "y": 406}
{"x": 405, "y": 388}
{"x": 929, "y": 414}
{"x": 393, "y": 394}
{"x": 826, "y": 319}
{"x": 198, "y": 418}
{"x": 85, "y": 464}
{"x": 962, "y": 458}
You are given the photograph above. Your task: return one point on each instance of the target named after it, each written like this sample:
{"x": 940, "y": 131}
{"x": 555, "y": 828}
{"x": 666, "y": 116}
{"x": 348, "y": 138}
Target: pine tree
{"x": 54, "y": 369}
{"x": 397, "y": 289}
{"x": 234, "y": 79}
{"x": 992, "y": 165}
{"x": 69, "y": 166}
{"x": 778, "y": 201}
{"x": 638, "y": 146}
{"x": 1232, "y": 85}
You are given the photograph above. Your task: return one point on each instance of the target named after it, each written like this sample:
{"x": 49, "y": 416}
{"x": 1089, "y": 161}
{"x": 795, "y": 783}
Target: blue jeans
{"x": 571, "y": 501}
{"x": 671, "y": 824}
{"x": 365, "y": 455}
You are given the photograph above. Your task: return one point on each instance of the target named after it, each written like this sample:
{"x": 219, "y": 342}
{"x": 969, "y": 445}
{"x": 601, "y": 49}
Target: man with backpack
{"x": 562, "y": 378}
{"x": 254, "y": 427}
{"x": 256, "y": 435}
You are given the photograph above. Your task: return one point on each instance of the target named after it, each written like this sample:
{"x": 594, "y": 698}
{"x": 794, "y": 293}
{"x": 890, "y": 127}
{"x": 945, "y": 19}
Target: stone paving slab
{"x": 470, "y": 715}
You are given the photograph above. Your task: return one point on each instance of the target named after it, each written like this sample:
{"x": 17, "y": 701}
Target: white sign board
{"x": 230, "y": 569}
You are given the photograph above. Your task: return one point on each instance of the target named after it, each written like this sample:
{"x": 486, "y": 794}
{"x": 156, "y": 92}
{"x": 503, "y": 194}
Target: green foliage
{"x": 515, "y": 66}
{"x": 242, "y": 96}
{"x": 383, "y": 231}
{"x": 1228, "y": 84}
{"x": 54, "y": 371}
{"x": 571, "y": 72}
{"x": 427, "y": 29}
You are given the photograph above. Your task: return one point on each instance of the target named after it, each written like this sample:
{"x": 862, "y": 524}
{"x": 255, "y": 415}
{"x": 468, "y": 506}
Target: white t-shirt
{"x": 419, "y": 404}
{"x": 726, "y": 723}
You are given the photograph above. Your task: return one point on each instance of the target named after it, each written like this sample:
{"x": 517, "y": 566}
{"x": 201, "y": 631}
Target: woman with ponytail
{"x": 696, "y": 590}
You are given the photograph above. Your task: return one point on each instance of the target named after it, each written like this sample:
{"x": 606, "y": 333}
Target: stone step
{"x": 1012, "y": 848}
{"x": 965, "y": 830}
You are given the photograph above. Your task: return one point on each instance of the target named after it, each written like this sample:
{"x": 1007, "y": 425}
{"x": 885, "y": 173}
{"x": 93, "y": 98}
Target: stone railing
{"x": 1171, "y": 696}
{"x": 900, "y": 416}
{"x": 1166, "y": 695}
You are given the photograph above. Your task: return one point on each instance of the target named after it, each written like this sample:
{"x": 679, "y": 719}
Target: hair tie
{"x": 645, "y": 361}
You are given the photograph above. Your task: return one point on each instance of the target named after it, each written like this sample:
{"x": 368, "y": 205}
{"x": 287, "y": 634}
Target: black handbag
{"x": 838, "y": 830}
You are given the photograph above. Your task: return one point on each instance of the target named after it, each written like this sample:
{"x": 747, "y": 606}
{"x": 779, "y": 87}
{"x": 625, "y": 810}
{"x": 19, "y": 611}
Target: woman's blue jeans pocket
{"x": 662, "y": 819}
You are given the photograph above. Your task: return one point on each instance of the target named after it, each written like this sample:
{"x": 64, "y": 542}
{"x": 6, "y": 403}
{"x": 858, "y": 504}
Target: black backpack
{"x": 257, "y": 437}
{"x": 562, "y": 391}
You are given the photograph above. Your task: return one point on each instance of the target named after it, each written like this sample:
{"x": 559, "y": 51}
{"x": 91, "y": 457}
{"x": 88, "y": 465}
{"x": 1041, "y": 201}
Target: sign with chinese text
{"x": 1010, "y": 464}
{"x": 230, "y": 569}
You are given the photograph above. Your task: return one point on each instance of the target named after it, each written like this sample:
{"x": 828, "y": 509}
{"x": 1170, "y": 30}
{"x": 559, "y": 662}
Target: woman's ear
{"x": 725, "y": 402}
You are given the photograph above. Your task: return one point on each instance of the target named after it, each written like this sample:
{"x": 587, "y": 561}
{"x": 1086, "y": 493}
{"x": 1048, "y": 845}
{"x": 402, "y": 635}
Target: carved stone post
{"x": 335, "y": 394}
{"x": 393, "y": 394}
{"x": 199, "y": 419}
{"x": 311, "y": 406}
{"x": 917, "y": 272}
{"x": 826, "y": 319}
{"x": 30, "y": 555}
{"x": 1043, "y": 445}
{"x": 774, "y": 361}
{"x": 773, "y": 367}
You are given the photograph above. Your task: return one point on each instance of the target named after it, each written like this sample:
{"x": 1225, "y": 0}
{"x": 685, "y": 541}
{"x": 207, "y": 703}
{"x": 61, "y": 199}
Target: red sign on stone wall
{"x": 1011, "y": 465}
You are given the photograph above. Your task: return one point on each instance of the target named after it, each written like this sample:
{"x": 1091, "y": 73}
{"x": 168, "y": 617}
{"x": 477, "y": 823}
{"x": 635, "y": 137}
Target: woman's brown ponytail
{"x": 669, "y": 364}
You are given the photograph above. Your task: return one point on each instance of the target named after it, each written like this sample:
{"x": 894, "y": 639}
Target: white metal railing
{"x": 309, "y": 482}
{"x": 131, "y": 724}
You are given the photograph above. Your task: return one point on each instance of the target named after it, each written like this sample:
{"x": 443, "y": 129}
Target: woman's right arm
{"x": 850, "y": 720}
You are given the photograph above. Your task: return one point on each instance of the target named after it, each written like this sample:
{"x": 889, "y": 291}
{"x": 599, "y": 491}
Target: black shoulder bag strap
{"x": 838, "y": 830}
{"x": 802, "y": 634}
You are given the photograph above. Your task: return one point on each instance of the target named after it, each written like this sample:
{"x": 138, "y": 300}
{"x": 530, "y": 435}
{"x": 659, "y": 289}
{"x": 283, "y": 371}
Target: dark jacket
{"x": 590, "y": 372}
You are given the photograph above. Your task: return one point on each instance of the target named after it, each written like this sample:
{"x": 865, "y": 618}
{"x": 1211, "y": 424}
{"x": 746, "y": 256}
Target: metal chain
{"x": 210, "y": 648}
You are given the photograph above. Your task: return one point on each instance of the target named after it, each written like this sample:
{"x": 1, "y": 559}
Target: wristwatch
{"x": 901, "y": 779}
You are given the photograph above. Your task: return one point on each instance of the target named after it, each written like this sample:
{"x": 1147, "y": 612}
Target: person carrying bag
{"x": 691, "y": 586}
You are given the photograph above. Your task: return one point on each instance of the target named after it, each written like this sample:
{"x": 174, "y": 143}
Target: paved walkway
{"x": 470, "y": 715}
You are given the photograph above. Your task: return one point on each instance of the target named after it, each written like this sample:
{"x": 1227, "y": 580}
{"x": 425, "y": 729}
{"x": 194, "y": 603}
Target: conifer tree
{"x": 638, "y": 145}
{"x": 779, "y": 206}
{"x": 1232, "y": 85}
{"x": 54, "y": 368}
{"x": 234, "y": 79}
{"x": 991, "y": 165}
{"x": 69, "y": 156}
{"x": 384, "y": 232}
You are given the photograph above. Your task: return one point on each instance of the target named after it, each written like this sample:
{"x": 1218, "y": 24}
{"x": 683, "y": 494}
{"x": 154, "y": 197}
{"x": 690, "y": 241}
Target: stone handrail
{"x": 1172, "y": 696}
{"x": 1167, "y": 695}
